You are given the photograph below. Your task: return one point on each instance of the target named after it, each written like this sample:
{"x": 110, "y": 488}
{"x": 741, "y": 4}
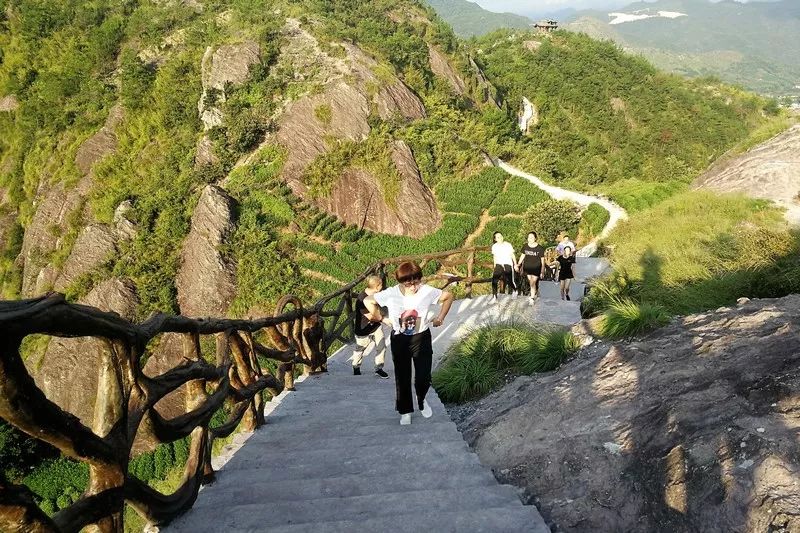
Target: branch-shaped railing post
{"x": 470, "y": 273}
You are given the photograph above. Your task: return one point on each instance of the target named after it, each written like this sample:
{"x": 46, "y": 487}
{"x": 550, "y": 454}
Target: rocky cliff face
{"x": 61, "y": 206}
{"x": 692, "y": 428}
{"x": 771, "y": 171}
{"x": 348, "y": 95}
{"x": 68, "y": 371}
{"x": 206, "y": 279}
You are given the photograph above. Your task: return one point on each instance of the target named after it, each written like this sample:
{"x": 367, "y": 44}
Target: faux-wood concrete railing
{"x": 126, "y": 397}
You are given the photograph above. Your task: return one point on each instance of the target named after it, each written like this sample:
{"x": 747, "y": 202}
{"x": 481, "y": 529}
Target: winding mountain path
{"x": 616, "y": 213}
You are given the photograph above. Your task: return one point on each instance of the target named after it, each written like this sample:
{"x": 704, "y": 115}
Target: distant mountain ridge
{"x": 468, "y": 19}
{"x": 755, "y": 44}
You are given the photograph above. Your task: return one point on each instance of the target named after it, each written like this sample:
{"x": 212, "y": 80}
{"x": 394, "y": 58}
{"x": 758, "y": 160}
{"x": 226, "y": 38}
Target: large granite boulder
{"x": 441, "y": 66}
{"x": 206, "y": 279}
{"x": 691, "y": 428}
{"x": 228, "y": 64}
{"x": 68, "y": 371}
{"x": 95, "y": 245}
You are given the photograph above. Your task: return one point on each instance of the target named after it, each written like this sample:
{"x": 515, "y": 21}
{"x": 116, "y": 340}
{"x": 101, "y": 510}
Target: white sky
{"x": 541, "y": 6}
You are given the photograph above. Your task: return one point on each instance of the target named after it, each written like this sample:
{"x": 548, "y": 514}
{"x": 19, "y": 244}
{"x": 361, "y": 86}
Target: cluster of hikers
{"x": 534, "y": 263}
{"x": 405, "y": 307}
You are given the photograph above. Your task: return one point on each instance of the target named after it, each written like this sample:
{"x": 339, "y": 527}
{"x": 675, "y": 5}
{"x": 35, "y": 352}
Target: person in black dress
{"x": 566, "y": 271}
{"x": 530, "y": 261}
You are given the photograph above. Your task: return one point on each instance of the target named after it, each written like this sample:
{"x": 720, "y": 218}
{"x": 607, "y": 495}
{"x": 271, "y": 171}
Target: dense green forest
{"x": 609, "y": 123}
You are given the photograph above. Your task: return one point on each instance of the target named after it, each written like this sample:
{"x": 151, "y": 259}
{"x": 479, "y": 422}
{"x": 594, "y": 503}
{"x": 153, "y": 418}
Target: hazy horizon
{"x": 528, "y": 8}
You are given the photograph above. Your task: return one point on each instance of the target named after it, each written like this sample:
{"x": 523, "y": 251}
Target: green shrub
{"x": 626, "y": 318}
{"x": 57, "y": 483}
{"x": 551, "y": 217}
{"x": 548, "y": 350}
{"x": 475, "y": 364}
{"x": 518, "y": 197}
{"x": 593, "y": 219}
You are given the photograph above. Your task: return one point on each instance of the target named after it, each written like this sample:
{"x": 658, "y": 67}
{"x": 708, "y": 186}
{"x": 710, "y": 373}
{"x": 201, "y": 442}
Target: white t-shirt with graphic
{"x": 409, "y": 314}
{"x": 503, "y": 253}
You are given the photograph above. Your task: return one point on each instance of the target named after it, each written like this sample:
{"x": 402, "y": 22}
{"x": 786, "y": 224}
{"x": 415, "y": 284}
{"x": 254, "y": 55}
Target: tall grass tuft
{"x": 625, "y": 318}
{"x": 466, "y": 378}
{"x": 550, "y": 349}
{"x": 475, "y": 365}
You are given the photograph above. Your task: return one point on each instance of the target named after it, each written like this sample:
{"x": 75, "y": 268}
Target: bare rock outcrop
{"x": 771, "y": 171}
{"x": 101, "y": 143}
{"x": 302, "y": 133}
{"x": 228, "y": 64}
{"x": 396, "y": 99}
{"x": 206, "y": 279}
{"x": 94, "y": 246}
{"x": 8, "y": 103}
{"x": 45, "y": 232}
{"x": 441, "y": 66}
{"x": 57, "y": 206}
{"x": 691, "y": 428}
{"x": 68, "y": 370}
{"x": 357, "y": 199}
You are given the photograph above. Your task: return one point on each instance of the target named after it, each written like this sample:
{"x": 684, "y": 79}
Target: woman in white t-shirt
{"x": 503, "y": 256}
{"x": 408, "y": 304}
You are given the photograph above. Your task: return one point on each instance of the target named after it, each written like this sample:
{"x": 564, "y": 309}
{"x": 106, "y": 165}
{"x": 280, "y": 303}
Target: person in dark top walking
{"x": 368, "y": 331}
{"x": 566, "y": 271}
{"x": 530, "y": 261}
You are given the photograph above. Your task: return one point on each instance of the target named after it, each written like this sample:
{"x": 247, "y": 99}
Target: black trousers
{"x": 405, "y": 350}
{"x": 505, "y": 272}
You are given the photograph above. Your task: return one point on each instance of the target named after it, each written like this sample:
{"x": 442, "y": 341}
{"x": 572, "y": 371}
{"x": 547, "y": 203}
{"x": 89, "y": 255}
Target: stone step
{"x": 230, "y": 490}
{"x": 484, "y": 520}
{"x": 349, "y": 442}
{"x": 283, "y": 513}
{"x": 306, "y": 454}
{"x": 285, "y": 430}
{"x": 300, "y": 420}
{"x": 384, "y": 463}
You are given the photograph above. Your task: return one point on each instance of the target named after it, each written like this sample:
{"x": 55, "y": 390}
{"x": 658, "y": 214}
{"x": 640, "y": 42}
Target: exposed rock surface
{"x": 45, "y": 232}
{"x": 771, "y": 171}
{"x": 94, "y": 246}
{"x": 692, "y": 428}
{"x": 228, "y": 64}
{"x": 205, "y": 152}
{"x": 397, "y": 99}
{"x": 442, "y": 67}
{"x": 206, "y": 280}
{"x": 303, "y": 134}
{"x": 101, "y": 143}
{"x": 51, "y": 220}
{"x": 9, "y": 103}
{"x": 68, "y": 371}
{"x": 357, "y": 199}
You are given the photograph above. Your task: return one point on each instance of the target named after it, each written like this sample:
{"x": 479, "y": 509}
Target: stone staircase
{"x": 334, "y": 458}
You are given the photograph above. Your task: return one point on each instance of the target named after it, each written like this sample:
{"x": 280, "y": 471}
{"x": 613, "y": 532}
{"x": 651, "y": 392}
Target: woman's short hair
{"x": 495, "y": 234}
{"x": 408, "y": 271}
{"x": 534, "y": 234}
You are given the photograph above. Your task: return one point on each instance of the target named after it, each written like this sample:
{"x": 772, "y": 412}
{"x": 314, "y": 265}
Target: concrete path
{"x": 616, "y": 213}
{"x": 333, "y": 457}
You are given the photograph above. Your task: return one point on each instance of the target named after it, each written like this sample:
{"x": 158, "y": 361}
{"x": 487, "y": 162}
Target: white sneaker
{"x": 405, "y": 420}
{"x": 427, "y": 412}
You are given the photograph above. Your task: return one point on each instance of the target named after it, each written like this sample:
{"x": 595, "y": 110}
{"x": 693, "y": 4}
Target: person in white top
{"x": 564, "y": 243}
{"x": 408, "y": 304}
{"x": 503, "y": 256}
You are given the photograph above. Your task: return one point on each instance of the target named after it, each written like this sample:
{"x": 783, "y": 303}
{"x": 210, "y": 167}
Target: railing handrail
{"x": 125, "y": 396}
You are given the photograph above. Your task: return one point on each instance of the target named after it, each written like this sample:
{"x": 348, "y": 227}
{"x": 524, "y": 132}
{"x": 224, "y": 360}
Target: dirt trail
{"x": 485, "y": 219}
{"x": 616, "y": 213}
